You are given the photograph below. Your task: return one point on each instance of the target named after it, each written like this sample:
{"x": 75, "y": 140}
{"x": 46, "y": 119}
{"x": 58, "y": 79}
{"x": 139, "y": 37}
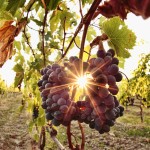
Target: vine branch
{"x": 83, "y": 41}
{"x": 64, "y": 36}
{"x": 43, "y": 36}
{"x": 43, "y": 2}
{"x": 24, "y": 31}
{"x": 86, "y": 20}
{"x": 80, "y": 9}
{"x": 83, "y": 137}
{"x": 41, "y": 143}
{"x": 69, "y": 136}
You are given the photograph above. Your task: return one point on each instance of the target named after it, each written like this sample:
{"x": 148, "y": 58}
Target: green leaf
{"x": 3, "y": 4}
{"x": 54, "y": 22}
{"x": 53, "y": 4}
{"x": 121, "y": 62}
{"x": 77, "y": 40}
{"x": 13, "y": 5}
{"x": 18, "y": 79}
{"x": 90, "y": 34}
{"x": 86, "y": 1}
{"x": 17, "y": 44}
{"x": 120, "y": 37}
{"x": 18, "y": 68}
{"x": 5, "y": 15}
{"x": 39, "y": 23}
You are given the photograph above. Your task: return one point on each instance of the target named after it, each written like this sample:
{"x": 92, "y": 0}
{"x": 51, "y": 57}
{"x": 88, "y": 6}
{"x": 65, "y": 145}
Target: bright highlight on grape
{"x": 82, "y": 81}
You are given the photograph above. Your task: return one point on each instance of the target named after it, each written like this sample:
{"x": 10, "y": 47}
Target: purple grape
{"x": 102, "y": 79}
{"x": 101, "y": 53}
{"x": 56, "y": 97}
{"x": 111, "y": 80}
{"x": 112, "y": 52}
{"x": 40, "y": 83}
{"x": 109, "y": 100}
{"x": 49, "y": 102}
{"x": 113, "y": 89}
{"x": 113, "y": 69}
{"x": 115, "y": 61}
{"x": 98, "y": 62}
{"x": 103, "y": 92}
{"x": 61, "y": 101}
{"x": 49, "y": 116}
{"x": 64, "y": 108}
{"x": 118, "y": 77}
{"x": 55, "y": 66}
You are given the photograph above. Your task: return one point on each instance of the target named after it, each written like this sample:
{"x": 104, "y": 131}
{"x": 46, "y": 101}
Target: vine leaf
{"x": 19, "y": 74}
{"x": 7, "y": 34}
{"x": 14, "y": 5}
{"x": 4, "y": 4}
{"x": 121, "y": 38}
{"x": 5, "y": 15}
{"x": 53, "y": 4}
{"x": 86, "y": 1}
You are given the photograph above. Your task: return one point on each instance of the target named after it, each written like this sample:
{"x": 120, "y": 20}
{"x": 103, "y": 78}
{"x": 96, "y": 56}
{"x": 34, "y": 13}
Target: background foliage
{"x": 49, "y": 28}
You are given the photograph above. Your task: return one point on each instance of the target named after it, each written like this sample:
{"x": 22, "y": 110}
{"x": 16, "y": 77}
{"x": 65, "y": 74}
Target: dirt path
{"x": 14, "y": 133}
{"x": 13, "y": 128}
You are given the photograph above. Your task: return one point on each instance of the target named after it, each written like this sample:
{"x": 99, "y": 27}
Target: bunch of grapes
{"x": 99, "y": 107}
{"x": 55, "y": 95}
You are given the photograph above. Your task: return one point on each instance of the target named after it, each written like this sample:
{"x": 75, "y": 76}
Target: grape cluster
{"x": 55, "y": 95}
{"x": 99, "y": 107}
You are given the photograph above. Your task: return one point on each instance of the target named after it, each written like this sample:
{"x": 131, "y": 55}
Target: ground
{"x": 127, "y": 134}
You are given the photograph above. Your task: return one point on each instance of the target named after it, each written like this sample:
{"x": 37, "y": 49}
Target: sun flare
{"x": 82, "y": 81}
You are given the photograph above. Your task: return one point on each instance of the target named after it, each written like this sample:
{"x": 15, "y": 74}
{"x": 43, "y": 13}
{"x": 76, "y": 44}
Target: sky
{"x": 137, "y": 24}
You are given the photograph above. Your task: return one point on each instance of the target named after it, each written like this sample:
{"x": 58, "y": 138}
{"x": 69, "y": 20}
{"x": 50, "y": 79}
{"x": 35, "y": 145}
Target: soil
{"x": 14, "y": 134}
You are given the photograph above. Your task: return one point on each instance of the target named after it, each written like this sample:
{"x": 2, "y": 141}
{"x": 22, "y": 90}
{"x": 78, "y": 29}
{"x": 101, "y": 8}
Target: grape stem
{"x": 124, "y": 75}
{"x": 100, "y": 46}
{"x": 98, "y": 39}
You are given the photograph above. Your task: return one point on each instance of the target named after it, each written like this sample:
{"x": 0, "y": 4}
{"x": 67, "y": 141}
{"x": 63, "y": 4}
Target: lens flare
{"x": 82, "y": 81}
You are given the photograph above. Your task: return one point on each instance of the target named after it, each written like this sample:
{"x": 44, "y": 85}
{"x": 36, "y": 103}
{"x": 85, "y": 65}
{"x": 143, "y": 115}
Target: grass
{"x": 143, "y": 132}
